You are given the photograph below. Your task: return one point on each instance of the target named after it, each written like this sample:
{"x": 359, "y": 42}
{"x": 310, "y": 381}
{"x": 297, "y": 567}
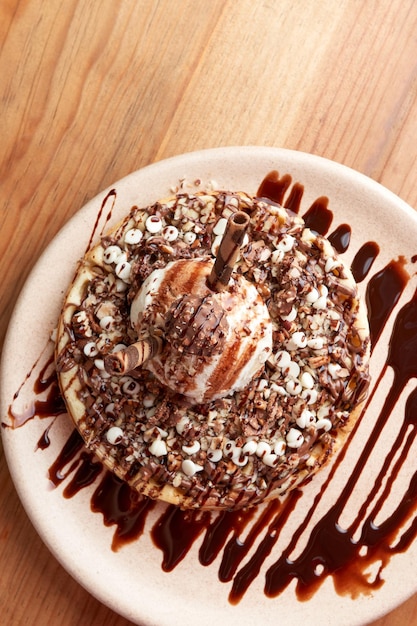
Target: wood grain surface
{"x": 94, "y": 89}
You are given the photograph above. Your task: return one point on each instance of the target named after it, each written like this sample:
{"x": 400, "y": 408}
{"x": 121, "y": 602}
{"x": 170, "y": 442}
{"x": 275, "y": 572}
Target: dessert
{"x": 207, "y": 381}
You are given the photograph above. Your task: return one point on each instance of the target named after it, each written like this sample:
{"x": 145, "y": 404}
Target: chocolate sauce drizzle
{"x": 111, "y": 197}
{"x": 345, "y": 554}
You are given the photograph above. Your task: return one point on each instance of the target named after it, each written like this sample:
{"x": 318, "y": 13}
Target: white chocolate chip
{"x": 279, "y": 447}
{"x": 293, "y": 387}
{"x": 123, "y": 269}
{"x": 305, "y": 419}
{"x": 220, "y": 226}
{"x": 262, "y": 448}
{"x": 120, "y": 286}
{"x": 262, "y": 384}
{"x": 250, "y": 447}
{"x": 316, "y": 343}
{"x": 312, "y": 295}
{"x": 119, "y": 346}
{"x": 130, "y": 386}
{"x": 182, "y": 425}
{"x": 229, "y": 448}
{"x": 286, "y": 243}
{"x": 320, "y": 303}
{"x": 306, "y": 380}
{"x": 292, "y": 370}
{"x": 107, "y": 322}
{"x": 291, "y": 315}
{"x": 134, "y": 235}
{"x": 114, "y": 435}
{"x": 282, "y": 359}
{"x": 112, "y": 254}
{"x": 190, "y": 468}
{"x": 331, "y": 264}
{"x": 190, "y": 237}
{"x": 294, "y": 438}
{"x": 193, "y": 449}
{"x": 153, "y": 224}
{"x": 170, "y": 233}
{"x": 299, "y": 339}
{"x": 149, "y": 400}
{"x": 310, "y": 395}
{"x": 158, "y": 448}
{"x": 239, "y": 458}
{"x": 334, "y": 369}
{"x": 279, "y": 389}
{"x": 99, "y": 363}
{"x": 90, "y": 349}
{"x": 214, "y": 455}
{"x": 324, "y": 424}
{"x": 296, "y": 341}
{"x": 270, "y": 459}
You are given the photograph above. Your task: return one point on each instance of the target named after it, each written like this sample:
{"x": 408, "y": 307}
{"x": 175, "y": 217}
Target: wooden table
{"x": 92, "y": 90}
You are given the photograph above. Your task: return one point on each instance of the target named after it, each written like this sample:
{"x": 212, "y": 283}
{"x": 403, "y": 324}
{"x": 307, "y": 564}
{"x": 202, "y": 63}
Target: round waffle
{"x": 249, "y": 444}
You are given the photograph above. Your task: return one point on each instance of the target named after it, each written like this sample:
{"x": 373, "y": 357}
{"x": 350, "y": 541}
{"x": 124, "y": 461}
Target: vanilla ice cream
{"x": 231, "y": 331}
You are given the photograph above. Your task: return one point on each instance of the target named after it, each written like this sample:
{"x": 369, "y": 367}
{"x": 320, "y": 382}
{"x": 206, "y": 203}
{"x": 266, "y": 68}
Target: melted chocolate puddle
{"x": 345, "y": 554}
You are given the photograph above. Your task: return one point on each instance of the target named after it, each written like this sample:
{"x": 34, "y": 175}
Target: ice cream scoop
{"x": 214, "y": 342}
{"x": 203, "y": 331}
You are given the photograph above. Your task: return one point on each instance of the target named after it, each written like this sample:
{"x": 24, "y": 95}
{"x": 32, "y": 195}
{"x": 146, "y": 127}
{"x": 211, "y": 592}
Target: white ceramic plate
{"x": 131, "y": 580}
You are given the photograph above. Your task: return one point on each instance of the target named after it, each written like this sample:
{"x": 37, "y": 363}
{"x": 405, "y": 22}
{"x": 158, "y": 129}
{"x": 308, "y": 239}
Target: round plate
{"x": 131, "y": 580}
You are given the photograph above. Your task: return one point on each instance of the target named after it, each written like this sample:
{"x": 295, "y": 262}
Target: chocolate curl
{"x": 228, "y": 252}
{"x": 133, "y": 356}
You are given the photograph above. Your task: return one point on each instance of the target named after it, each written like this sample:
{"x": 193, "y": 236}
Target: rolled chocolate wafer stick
{"x": 228, "y": 251}
{"x": 133, "y": 356}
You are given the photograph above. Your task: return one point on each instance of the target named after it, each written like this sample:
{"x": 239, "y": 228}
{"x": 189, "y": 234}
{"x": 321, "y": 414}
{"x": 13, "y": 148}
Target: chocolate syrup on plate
{"x": 344, "y": 553}
{"x": 340, "y": 238}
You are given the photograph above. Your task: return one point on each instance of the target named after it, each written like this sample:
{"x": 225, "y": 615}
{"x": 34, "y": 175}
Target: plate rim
{"x": 198, "y": 155}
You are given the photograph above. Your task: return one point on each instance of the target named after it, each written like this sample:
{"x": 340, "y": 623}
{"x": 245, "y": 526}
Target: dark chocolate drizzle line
{"x": 111, "y": 195}
{"x": 175, "y": 533}
{"x": 218, "y": 531}
{"x": 86, "y": 473}
{"x": 44, "y": 441}
{"x": 340, "y": 238}
{"x": 364, "y": 260}
{"x": 318, "y": 217}
{"x": 235, "y": 550}
{"x": 69, "y": 452}
{"x": 382, "y": 294}
{"x": 274, "y": 188}
{"x": 49, "y": 406}
{"x": 247, "y": 574}
{"x": 123, "y": 507}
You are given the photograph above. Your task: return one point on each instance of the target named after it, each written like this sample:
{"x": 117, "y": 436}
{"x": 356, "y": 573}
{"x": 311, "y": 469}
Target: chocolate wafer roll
{"x": 135, "y": 355}
{"x": 228, "y": 250}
